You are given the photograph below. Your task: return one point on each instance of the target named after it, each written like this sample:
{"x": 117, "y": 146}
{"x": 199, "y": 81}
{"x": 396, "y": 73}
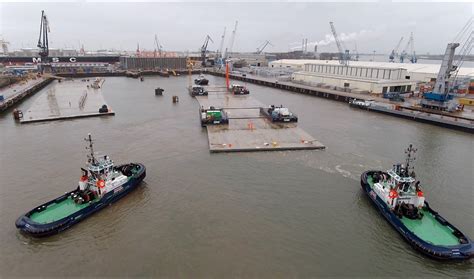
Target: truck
{"x": 279, "y": 114}
{"x": 197, "y": 91}
{"x": 213, "y": 116}
{"x": 239, "y": 90}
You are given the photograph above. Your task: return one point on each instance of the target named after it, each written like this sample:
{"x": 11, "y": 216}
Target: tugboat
{"x": 239, "y": 89}
{"x": 201, "y": 80}
{"x": 101, "y": 184}
{"x": 197, "y": 90}
{"x": 400, "y": 199}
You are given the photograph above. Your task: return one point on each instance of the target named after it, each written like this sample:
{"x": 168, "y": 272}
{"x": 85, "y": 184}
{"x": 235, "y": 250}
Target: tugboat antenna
{"x": 410, "y": 151}
{"x": 91, "y": 147}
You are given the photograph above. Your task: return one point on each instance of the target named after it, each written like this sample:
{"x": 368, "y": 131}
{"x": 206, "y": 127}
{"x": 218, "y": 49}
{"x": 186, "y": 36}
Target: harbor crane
{"x": 204, "y": 49}
{"x": 263, "y": 46}
{"x": 410, "y": 44}
{"x": 440, "y": 98}
{"x": 394, "y": 53}
{"x": 158, "y": 46}
{"x": 231, "y": 43}
{"x": 344, "y": 55}
{"x": 43, "y": 43}
{"x": 356, "y": 58}
{"x": 220, "y": 54}
{"x": 4, "y": 45}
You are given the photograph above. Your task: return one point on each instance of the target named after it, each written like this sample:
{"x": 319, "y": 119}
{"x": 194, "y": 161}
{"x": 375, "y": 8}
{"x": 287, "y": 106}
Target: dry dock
{"x": 66, "y": 100}
{"x": 247, "y": 130}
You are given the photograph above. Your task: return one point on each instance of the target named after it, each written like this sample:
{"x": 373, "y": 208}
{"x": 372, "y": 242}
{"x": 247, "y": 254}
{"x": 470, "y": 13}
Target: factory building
{"x": 363, "y": 76}
{"x": 142, "y": 63}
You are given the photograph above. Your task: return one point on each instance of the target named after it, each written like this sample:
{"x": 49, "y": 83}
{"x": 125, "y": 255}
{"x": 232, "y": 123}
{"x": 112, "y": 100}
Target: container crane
{"x": 231, "y": 43}
{"x": 43, "y": 43}
{"x": 263, "y": 46}
{"x": 343, "y": 52}
{"x": 204, "y": 49}
{"x": 394, "y": 53}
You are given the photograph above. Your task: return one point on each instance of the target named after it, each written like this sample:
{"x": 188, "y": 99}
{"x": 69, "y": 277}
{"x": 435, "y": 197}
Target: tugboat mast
{"x": 410, "y": 151}
{"x": 91, "y": 148}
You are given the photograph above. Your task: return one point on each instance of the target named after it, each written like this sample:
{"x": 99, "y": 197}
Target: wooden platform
{"x": 62, "y": 101}
{"x": 248, "y": 131}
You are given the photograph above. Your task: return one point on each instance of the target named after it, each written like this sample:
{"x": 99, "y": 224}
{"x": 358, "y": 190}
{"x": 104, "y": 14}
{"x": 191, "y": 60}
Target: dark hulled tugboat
{"x": 101, "y": 184}
{"x": 400, "y": 199}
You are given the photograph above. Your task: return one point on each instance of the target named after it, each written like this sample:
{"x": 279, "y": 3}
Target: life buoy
{"x": 393, "y": 194}
{"x": 100, "y": 183}
{"x": 419, "y": 193}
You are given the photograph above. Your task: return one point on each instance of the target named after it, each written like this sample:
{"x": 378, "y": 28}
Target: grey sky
{"x": 183, "y": 26}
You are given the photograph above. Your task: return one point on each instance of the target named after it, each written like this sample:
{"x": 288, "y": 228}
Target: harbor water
{"x": 268, "y": 214}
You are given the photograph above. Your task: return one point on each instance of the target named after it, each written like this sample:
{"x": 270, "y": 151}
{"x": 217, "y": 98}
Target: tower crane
{"x": 204, "y": 49}
{"x": 343, "y": 52}
{"x": 43, "y": 43}
{"x": 394, "y": 53}
{"x": 231, "y": 43}
{"x": 158, "y": 46}
{"x": 263, "y": 46}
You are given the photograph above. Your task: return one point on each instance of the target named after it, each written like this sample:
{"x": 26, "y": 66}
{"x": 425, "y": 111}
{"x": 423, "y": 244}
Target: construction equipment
{"x": 440, "y": 98}
{"x": 279, "y": 114}
{"x": 213, "y": 116}
{"x": 43, "y": 43}
{"x": 158, "y": 46}
{"x": 344, "y": 55}
{"x": 204, "y": 50}
{"x": 231, "y": 43}
{"x": 410, "y": 44}
{"x": 394, "y": 53}
{"x": 263, "y": 46}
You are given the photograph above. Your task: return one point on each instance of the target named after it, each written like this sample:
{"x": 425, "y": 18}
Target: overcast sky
{"x": 183, "y": 26}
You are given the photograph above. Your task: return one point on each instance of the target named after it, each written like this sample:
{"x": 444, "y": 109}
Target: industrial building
{"x": 371, "y": 77}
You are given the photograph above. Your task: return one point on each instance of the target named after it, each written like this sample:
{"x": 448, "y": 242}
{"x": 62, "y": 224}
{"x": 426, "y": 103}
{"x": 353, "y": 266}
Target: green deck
{"x": 428, "y": 228}
{"x": 57, "y": 211}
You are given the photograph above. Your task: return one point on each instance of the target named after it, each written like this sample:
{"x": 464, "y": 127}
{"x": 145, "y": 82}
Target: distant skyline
{"x": 183, "y": 26}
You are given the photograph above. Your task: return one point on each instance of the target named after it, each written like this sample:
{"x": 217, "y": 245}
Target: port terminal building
{"x": 363, "y": 76}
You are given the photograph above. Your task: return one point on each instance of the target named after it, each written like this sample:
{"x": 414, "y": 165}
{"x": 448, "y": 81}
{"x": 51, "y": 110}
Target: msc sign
{"x": 55, "y": 59}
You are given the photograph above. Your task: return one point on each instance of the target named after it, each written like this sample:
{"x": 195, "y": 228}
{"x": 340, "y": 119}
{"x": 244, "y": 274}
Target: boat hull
{"x": 26, "y": 225}
{"x": 456, "y": 252}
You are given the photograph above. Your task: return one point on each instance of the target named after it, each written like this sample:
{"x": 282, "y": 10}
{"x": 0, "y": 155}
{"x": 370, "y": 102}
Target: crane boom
{"x": 343, "y": 54}
{"x": 232, "y": 38}
{"x": 43, "y": 43}
{"x": 204, "y": 49}
{"x": 158, "y": 46}
{"x": 395, "y": 50}
{"x": 263, "y": 46}
{"x": 222, "y": 44}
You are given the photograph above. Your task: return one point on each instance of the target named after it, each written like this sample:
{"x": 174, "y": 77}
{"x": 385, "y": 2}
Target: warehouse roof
{"x": 411, "y": 68}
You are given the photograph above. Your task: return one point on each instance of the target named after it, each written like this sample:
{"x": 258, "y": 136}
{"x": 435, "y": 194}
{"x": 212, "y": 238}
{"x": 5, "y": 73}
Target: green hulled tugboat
{"x": 101, "y": 184}
{"x": 400, "y": 199}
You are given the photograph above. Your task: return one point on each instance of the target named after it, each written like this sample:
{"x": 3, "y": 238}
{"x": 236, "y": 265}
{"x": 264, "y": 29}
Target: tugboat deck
{"x": 57, "y": 211}
{"x": 431, "y": 230}
{"x": 428, "y": 228}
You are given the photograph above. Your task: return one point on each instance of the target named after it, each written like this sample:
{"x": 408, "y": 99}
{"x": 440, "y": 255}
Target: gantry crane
{"x": 204, "y": 49}
{"x": 344, "y": 56}
{"x": 263, "y": 46}
{"x": 394, "y": 53}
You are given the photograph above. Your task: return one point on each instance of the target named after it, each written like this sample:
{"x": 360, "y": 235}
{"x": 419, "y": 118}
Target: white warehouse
{"x": 371, "y": 77}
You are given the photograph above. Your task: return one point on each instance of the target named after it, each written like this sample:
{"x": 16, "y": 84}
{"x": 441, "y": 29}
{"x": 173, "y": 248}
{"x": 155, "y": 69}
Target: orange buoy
{"x": 100, "y": 183}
